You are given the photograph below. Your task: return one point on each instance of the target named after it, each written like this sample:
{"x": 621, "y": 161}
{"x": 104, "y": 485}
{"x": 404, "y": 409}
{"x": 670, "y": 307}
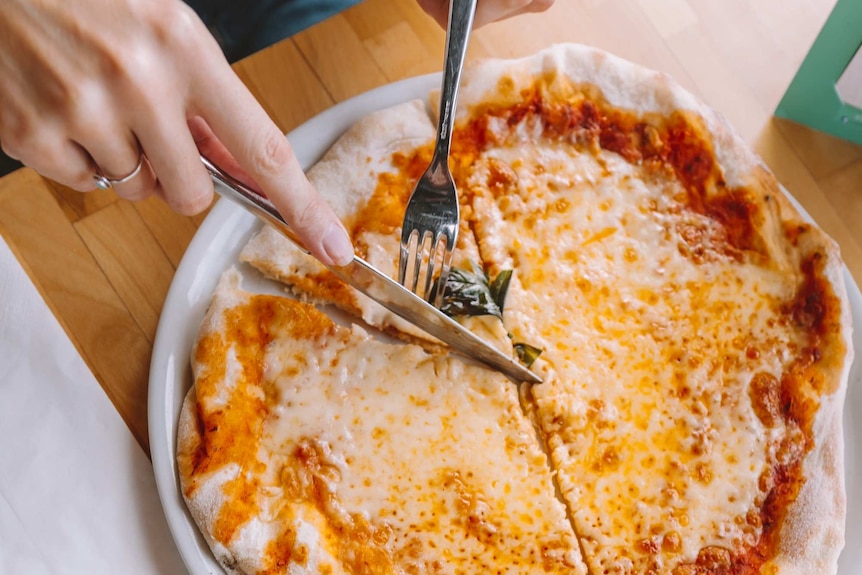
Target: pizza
{"x": 691, "y": 327}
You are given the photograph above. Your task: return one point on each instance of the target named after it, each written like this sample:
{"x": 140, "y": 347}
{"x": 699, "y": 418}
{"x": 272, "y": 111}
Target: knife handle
{"x": 229, "y": 187}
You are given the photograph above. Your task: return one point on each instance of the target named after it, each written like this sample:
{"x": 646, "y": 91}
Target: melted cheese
{"x": 372, "y": 457}
{"x": 649, "y": 354}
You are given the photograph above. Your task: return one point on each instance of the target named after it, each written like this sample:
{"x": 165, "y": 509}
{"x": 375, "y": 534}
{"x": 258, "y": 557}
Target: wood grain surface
{"x": 104, "y": 265}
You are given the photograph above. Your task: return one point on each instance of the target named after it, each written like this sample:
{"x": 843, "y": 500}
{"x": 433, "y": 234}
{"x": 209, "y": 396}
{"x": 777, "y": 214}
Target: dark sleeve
{"x": 244, "y": 27}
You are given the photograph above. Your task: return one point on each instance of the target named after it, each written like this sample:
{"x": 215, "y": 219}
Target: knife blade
{"x": 379, "y": 287}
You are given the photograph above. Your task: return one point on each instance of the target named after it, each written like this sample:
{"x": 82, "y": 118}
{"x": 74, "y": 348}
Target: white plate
{"x": 215, "y": 248}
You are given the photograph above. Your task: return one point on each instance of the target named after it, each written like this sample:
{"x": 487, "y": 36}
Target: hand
{"x": 90, "y": 85}
{"x": 487, "y": 11}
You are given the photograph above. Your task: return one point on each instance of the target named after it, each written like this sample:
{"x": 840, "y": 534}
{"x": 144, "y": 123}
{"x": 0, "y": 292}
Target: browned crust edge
{"x": 204, "y": 502}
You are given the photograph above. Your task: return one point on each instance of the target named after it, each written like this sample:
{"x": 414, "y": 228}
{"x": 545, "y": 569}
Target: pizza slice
{"x": 308, "y": 447}
{"x": 696, "y": 330}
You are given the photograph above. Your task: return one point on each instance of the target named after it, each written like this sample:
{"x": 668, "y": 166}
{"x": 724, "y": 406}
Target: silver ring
{"x": 103, "y": 182}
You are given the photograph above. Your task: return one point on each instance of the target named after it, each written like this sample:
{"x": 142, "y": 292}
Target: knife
{"x": 379, "y": 287}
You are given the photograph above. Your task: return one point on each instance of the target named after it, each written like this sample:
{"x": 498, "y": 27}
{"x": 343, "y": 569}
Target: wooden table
{"x": 104, "y": 265}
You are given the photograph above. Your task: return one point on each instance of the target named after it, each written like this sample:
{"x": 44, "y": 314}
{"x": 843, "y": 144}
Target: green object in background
{"x": 812, "y": 98}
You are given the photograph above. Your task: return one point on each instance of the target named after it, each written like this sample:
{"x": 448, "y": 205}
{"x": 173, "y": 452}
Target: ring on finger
{"x": 103, "y": 182}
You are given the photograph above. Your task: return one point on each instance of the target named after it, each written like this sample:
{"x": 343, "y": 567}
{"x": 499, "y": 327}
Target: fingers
{"x": 487, "y": 11}
{"x": 115, "y": 153}
{"x": 171, "y": 152}
{"x": 73, "y": 157}
{"x": 437, "y": 9}
{"x": 211, "y": 148}
{"x": 259, "y": 146}
{"x": 54, "y": 157}
{"x": 44, "y": 146}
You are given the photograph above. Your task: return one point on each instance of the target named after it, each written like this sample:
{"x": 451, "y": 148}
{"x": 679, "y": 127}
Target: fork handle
{"x": 461, "y": 14}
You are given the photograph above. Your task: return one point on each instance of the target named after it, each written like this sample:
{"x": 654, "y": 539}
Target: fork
{"x": 432, "y": 214}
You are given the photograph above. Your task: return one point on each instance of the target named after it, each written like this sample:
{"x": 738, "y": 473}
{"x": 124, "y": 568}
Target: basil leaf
{"x": 527, "y": 353}
{"x": 468, "y": 293}
{"x": 472, "y": 293}
{"x": 500, "y": 287}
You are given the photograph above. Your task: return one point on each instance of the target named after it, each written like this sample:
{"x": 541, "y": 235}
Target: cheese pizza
{"x": 691, "y": 327}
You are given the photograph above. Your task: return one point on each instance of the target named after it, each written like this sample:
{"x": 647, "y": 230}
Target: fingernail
{"x": 337, "y": 245}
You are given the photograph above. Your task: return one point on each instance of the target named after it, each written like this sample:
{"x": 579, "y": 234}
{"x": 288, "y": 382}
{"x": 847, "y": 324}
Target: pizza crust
{"x": 812, "y": 536}
{"x": 205, "y": 504}
{"x": 204, "y": 493}
{"x": 622, "y": 83}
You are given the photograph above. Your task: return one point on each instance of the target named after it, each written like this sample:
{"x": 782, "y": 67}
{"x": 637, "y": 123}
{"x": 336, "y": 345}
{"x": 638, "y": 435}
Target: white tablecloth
{"x": 77, "y": 493}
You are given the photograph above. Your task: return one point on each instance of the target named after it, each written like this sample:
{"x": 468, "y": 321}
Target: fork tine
{"x": 410, "y": 265}
{"x": 405, "y": 256}
{"x": 402, "y": 263}
{"x": 442, "y": 258}
{"x": 432, "y": 261}
{"x": 417, "y": 259}
{"x": 444, "y": 273}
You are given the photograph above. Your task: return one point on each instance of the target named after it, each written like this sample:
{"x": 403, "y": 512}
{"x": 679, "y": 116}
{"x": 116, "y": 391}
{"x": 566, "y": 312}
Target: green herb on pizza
{"x": 473, "y": 293}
